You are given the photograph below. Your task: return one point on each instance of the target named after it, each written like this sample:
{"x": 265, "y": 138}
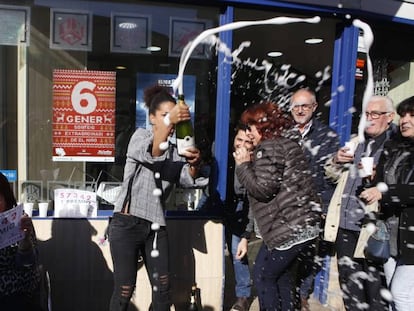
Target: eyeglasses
{"x": 305, "y": 107}
{"x": 375, "y": 114}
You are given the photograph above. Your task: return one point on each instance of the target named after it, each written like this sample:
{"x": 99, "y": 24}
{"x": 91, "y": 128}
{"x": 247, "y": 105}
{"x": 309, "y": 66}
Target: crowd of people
{"x": 347, "y": 199}
{"x": 290, "y": 185}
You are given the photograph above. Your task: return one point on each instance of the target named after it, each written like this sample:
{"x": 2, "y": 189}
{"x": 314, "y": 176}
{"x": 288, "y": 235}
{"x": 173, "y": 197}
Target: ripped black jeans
{"x": 130, "y": 238}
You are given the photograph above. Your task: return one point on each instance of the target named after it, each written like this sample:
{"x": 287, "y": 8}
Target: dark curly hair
{"x": 268, "y": 118}
{"x": 155, "y": 95}
{"x": 7, "y": 192}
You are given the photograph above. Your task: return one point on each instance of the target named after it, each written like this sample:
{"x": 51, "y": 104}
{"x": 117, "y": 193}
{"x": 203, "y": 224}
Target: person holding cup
{"x": 19, "y": 274}
{"x": 395, "y": 179}
{"x": 347, "y": 210}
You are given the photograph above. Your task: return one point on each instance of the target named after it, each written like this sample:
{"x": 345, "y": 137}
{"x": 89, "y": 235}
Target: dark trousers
{"x": 273, "y": 277}
{"x": 130, "y": 238}
{"x": 20, "y": 302}
{"x": 308, "y": 264}
{"x": 361, "y": 280}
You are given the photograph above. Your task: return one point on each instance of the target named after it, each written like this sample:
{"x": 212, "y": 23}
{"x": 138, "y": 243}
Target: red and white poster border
{"x": 83, "y": 115}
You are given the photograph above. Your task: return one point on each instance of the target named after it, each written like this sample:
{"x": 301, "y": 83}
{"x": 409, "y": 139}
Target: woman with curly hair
{"x": 282, "y": 199}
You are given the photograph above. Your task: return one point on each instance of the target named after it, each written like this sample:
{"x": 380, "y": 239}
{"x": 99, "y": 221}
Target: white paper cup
{"x": 28, "y": 208}
{"x": 351, "y": 147}
{"x": 84, "y": 209}
{"x": 367, "y": 166}
{"x": 43, "y": 209}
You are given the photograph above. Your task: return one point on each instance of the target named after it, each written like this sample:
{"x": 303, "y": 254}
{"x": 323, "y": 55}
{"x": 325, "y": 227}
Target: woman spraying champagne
{"x": 138, "y": 226}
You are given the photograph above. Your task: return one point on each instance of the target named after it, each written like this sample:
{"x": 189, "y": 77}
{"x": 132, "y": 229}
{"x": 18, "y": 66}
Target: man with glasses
{"x": 360, "y": 279}
{"x": 319, "y": 142}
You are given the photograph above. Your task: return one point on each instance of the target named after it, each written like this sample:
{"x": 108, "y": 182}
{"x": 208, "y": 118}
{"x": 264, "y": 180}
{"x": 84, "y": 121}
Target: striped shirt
{"x": 151, "y": 173}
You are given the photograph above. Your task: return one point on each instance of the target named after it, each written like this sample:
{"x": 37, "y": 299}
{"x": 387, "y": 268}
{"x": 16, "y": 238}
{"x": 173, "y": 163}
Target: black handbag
{"x": 378, "y": 245}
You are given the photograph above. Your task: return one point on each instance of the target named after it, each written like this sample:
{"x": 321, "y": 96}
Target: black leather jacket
{"x": 396, "y": 169}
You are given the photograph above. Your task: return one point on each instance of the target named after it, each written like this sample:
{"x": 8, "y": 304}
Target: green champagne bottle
{"x": 184, "y": 131}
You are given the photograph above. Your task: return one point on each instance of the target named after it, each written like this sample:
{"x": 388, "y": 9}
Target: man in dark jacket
{"x": 318, "y": 142}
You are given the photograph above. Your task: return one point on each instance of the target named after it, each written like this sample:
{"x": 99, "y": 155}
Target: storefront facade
{"x": 223, "y": 87}
{"x": 72, "y": 75}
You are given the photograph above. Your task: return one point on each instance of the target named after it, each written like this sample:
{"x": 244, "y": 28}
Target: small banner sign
{"x": 75, "y": 203}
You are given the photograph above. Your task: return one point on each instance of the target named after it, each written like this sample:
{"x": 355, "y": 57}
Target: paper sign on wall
{"x": 84, "y": 115}
{"x": 75, "y": 203}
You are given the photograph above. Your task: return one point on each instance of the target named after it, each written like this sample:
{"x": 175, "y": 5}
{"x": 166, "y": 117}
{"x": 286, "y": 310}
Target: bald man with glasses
{"x": 361, "y": 280}
{"x": 318, "y": 142}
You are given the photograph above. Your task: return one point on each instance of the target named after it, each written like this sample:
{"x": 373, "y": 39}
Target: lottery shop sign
{"x": 83, "y": 115}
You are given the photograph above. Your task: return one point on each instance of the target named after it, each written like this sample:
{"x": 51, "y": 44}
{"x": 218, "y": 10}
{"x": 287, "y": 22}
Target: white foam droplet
{"x": 371, "y": 228}
{"x": 382, "y": 187}
{"x": 155, "y": 226}
{"x": 386, "y": 294}
{"x": 157, "y": 175}
{"x": 157, "y": 192}
{"x": 348, "y": 16}
{"x": 164, "y": 145}
{"x": 352, "y": 109}
{"x": 155, "y": 253}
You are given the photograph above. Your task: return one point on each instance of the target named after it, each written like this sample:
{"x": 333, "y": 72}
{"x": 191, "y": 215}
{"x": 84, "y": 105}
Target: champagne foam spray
{"x": 368, "y": 39}
{"x": 203, "y": 37}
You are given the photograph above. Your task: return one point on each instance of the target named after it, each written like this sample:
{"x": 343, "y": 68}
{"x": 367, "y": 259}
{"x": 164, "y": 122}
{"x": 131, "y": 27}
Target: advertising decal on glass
{"x": 145, "y": 80}
{"x": 70, "y": 30}
{"x": 130, "y": 33}
{"x": 31, "y": 191}
{"x": 15, "y": 25}
{"x": 83, "y": 115}
{"x": 183, "y": 31}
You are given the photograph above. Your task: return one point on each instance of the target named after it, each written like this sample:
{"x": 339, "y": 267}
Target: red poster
{"x": 83, "y": 115}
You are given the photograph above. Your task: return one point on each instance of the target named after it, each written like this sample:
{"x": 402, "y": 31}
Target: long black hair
{"x": 7, "y": 192}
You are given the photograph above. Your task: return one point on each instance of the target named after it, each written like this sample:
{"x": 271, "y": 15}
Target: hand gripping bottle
{"x": 184, "y": 131}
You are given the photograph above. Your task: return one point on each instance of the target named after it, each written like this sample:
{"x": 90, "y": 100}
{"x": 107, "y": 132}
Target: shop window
{"x": 293, "y": 63}
{"x": 109, "y": 46}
